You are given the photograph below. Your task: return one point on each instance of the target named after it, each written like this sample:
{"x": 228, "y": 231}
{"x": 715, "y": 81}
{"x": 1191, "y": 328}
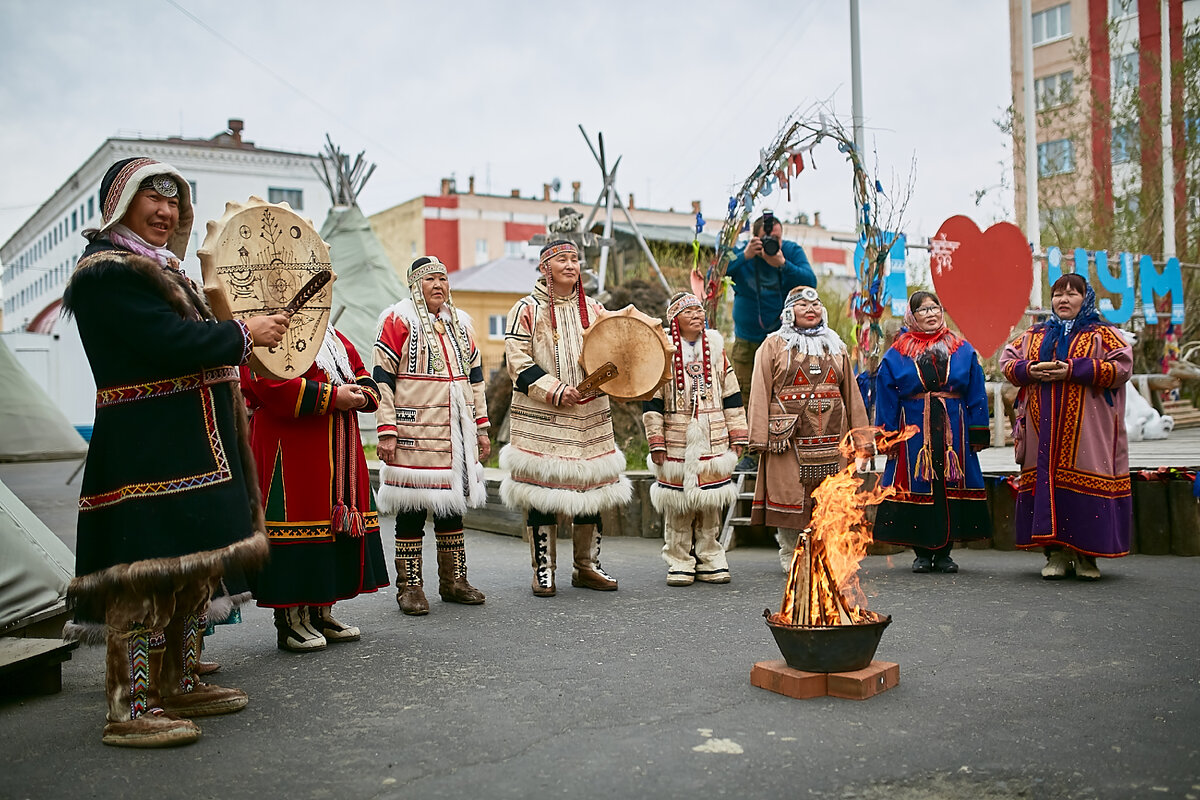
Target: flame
{"x": 822, "y": 585}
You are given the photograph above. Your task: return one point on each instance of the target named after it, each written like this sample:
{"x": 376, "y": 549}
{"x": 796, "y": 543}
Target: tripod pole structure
{"x": 645, "y": 247}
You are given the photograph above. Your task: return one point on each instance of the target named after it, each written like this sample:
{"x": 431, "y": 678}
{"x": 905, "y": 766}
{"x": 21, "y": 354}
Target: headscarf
{"x": 419, "y": 269}
{"x": 121, "y": 182}
{"x": 1060, "y": 333}
{"x": 913, "y": 342}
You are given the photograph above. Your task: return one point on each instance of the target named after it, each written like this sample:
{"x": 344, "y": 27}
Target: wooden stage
{"x": 1180, "y": 449}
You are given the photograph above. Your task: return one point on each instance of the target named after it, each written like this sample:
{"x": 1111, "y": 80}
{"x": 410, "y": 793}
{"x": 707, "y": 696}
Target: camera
{"x": 770, "y": 244}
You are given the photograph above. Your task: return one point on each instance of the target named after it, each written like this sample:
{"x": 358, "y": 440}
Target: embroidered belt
{"x": 938, "y": 395}
{"x": 826, "y": 395}
{"x": 187, "y": 383}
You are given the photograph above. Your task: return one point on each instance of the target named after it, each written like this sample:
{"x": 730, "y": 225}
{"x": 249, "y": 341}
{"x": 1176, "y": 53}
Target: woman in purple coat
{"x": 1074, "y": 497}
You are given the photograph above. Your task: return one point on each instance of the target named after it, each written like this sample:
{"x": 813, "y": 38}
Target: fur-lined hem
{"x": 669, "y": 500}
{"x": 152, "y": 574}
{"x": 523, "y": 496}
{"x": 566, "y": 471}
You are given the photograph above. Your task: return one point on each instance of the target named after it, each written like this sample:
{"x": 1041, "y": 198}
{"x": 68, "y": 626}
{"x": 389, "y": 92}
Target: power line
{"x": 300, "y": 92}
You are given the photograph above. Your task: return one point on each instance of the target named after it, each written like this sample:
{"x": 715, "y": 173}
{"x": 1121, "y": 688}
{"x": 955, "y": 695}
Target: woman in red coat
{"x": 321, "y": 519}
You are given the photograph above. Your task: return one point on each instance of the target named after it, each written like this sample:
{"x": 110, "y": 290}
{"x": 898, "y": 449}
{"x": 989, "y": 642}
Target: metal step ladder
{"x": 738, "y": 514}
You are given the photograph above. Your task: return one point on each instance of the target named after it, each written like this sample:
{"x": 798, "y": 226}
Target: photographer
{"x": 763, "y": 272}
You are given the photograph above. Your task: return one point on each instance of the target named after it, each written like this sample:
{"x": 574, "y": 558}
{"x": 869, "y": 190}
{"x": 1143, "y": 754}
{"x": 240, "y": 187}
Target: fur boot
{"x": 410, "y": 591}
{"x": 134, "y": 716}
{"x": 543, "y": 549}
{"x": 588, "y": 574}
{"x": 452, "y": 570}
{"x": 183, "y": 694}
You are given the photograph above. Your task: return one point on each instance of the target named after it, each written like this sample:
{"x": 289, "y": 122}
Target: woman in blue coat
{"x": 932, "y": 378}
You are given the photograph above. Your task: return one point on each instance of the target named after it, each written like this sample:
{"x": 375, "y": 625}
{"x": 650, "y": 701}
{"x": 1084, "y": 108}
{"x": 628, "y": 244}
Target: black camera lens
{"x": 770, "y": 245}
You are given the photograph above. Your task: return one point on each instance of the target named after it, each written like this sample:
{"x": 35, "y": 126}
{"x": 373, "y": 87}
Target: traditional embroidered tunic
{"x": 560, "y": 459}
{"x": 320, "y": 510}
{"x": 821, "y": 392}
{"x": 695, "y": 426}
{"x": 940, "y": 496}
{"x": 170, "y": 487}
{"x": 435, "y": 412}
{"x": 1074, "y": 484}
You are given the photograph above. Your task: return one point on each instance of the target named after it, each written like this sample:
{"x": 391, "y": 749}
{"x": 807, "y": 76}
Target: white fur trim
{"x": 692, "y": 497}
{"x": 825, "y": 342}
{"x": 89, "y": 633}
{"x": 554, "y": 469}
{"x": 418, "y": 491}
{"x": 519, "y": 495}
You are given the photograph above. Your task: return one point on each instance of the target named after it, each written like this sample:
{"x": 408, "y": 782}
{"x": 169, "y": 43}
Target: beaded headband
{"x": 551, "y": 252}
{"x": 685, "y": 302}
{"x": 432, "y": 267}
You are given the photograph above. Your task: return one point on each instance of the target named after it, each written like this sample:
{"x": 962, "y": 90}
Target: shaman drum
{"x": 255, "y": 260}
{"x": 636, "y": 343}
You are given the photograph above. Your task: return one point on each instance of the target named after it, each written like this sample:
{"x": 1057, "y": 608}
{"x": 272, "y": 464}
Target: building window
{"x": 1055, "y": 158}
{"x": 481, "y": 251}
{"x": 515, "y": 249}
{"x": 91, "y": 207}
{"x": 1054, "y": 90}
{"x": 1052, "y": 24}
{"x": 412, "y": 249}
{"x": 74, "y": 221}
{"x": 1119, "y": 9}
{"x": 192, "y": 187}
{"x": 496, "y": 324}
{"x": 1122, "y": 144}
{"x": 1125, "y": 71}
{"x": 293, "y": 197}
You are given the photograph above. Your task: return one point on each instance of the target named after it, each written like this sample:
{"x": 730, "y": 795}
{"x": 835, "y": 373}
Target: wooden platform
{"x": 29, "y": 665}
{"x": 778, "y": 677}
{"x": 1180, "y": 449}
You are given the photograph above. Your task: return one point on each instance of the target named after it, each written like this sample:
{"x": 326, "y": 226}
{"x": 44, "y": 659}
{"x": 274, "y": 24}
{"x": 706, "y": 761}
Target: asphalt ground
{"x": 1010, "y": 687}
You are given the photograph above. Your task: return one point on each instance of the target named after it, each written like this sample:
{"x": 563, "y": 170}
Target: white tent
{"x": 32, "y": 428}
{"x": 35, "y": 565}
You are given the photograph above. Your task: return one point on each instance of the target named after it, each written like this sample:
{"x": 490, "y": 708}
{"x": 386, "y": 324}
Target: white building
{"x": 39, "y": 258}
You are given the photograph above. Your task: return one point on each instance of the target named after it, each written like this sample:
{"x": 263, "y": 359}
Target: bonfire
{"x": 822, "y": 586}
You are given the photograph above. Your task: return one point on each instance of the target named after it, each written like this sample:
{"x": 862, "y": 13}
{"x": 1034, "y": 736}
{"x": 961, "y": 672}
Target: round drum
{"x": 254, "y": 260}
{"x": 636, "y": 343}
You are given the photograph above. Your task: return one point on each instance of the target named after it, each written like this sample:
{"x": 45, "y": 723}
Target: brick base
{"x": 777, "y": 676}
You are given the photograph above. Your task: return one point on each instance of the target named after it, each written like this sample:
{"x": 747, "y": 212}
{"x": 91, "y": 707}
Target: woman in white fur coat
{"x": 696, "y": 427}
{"x": 432, "y": 424}
{"x": 562, "y": 459}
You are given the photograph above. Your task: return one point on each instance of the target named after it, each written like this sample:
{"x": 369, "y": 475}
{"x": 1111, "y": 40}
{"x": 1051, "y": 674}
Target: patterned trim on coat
{"x": 220, "y": 474}
{"x": 115, "y": 395}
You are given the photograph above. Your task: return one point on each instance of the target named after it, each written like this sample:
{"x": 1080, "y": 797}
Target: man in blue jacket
{"x": 763, "y": 272}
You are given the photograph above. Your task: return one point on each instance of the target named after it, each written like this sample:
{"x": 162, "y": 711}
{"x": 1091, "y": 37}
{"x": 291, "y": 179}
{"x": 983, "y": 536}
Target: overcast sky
{"x": 685, "y": 92}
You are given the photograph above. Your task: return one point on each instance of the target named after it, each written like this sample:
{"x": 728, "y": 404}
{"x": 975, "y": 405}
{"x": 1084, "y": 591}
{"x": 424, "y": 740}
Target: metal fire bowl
{"x": 836, "y": 648}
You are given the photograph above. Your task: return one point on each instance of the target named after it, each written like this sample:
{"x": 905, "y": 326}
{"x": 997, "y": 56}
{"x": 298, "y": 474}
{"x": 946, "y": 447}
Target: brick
{"x": 876, "y": 678}
{"x": 777, "y": 676}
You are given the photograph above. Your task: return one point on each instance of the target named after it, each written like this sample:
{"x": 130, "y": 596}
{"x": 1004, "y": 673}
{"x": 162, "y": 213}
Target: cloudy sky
{"x": 685, "y": 92}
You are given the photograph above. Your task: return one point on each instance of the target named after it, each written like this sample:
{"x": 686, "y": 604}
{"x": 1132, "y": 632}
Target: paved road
{"x": 1010, "y": 687}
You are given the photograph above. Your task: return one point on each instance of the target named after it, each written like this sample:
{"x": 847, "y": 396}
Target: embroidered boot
{"x": 134, "y": 716}
{"x": 588, "y": 574}
{"x": 543, "y": 549}
{"x": 410, "y": 592}
{"x": 183, "y": 693}
{"x": 321, "y": 618}
{"x": 295, "y": 633}
{"x": 452, "y": 570}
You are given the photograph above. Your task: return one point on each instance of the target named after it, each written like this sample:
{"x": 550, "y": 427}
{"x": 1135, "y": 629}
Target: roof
{"x": 672, "y": 234}
{"x": 508, "y": 275}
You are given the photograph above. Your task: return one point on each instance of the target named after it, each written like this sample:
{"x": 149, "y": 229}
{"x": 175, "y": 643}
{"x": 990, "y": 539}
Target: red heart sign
{"x": 982, "y": 278}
